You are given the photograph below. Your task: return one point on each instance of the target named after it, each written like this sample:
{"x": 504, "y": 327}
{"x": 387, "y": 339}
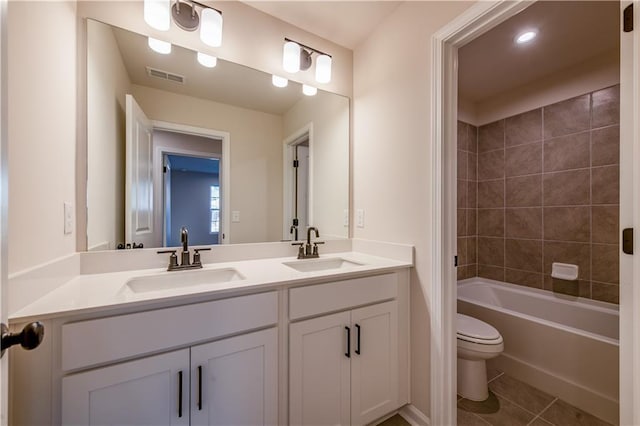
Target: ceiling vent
{"x": 165, "y": 75}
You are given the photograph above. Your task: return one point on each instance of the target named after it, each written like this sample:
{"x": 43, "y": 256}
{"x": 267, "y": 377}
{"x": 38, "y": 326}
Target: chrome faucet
{"x": 309, "y": 250}
{"x": 185, "y": 256}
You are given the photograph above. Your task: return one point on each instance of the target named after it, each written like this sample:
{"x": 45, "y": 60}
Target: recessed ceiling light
{"x": 526, "y": 37}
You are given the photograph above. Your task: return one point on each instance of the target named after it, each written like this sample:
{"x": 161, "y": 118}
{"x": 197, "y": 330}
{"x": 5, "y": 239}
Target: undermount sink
{"x": 313, "y": 265}
{"x": 181, "y": 279}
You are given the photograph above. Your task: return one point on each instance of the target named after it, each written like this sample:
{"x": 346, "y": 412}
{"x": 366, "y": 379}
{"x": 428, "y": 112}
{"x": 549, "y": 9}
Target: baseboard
{"x": 414, "y": 416}
{"x": 586, "y": 399}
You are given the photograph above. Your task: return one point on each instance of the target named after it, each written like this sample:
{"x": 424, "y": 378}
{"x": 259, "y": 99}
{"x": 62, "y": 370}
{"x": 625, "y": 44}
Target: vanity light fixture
{"x": 297, "y": 57}
{"x": 309, "y": 90}
{"x": 526, "y": 37}
{"x": 159, "y": 46}
{"x": 185, "y": 14}
{"x": 207, "y": 60}
{"x": 278, "y": 81}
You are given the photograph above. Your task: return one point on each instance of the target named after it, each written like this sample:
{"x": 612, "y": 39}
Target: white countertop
{"x": 92, "y": 293}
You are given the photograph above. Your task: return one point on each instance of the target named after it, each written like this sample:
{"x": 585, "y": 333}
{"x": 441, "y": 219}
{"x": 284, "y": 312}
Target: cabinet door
{"x": 235, "y": 381}
{"x": 319, "y": 371}
{"x": 141, "y": 392}
{"x": 374, "y": 363}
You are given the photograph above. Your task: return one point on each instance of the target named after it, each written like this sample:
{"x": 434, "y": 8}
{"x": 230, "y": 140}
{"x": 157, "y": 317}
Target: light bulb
{"x": 323, "y": 69}
{"x": 157, "y": 14}
{"x": 211, "y": 27}
{"x": 291, "y": 57}
{"x": 159, "y": 46}
{"x": 309, "y": 90}
{"x": 279, "y": 81}
{"x": 207, "y": 60}
{"x": 526, "y": 37}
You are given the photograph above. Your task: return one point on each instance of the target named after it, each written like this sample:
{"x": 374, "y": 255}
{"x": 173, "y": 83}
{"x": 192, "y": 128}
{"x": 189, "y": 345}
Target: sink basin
{"x": 313, "y": 265}
{"x": 181, "y": 279}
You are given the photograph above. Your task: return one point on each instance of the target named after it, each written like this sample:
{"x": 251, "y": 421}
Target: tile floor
{"x": 512, "y": 403}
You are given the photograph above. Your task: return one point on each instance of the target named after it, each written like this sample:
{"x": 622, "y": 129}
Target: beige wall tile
{"x": 567, "y": 223}
{"x": 567, "y": 152}
{"x": 525, "y": 255}
{"x": 524, "y": 223}
{"x": 491, "y": 136}
{"x": 524, "y": 191}
{"x": 567, "y": 188}
{"x": 566, "y": 117}
{"x": 523, "y": 128}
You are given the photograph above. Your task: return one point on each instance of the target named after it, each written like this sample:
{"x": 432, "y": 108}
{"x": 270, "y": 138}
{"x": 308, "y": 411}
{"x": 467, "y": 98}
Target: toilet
{"x": 477, "y": 342}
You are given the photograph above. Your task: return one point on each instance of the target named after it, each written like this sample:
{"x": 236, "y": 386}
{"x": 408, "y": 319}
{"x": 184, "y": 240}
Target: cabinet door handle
{"x": 180, "y": 393}
{"x": 348, "y": 353}
{"x": 199, "y": 387}
{"x": 358, "y": 339}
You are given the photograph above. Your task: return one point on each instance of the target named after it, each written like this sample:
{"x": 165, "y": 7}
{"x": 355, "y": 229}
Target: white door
{"x": 374, "y": 363}
{"x": 150, "y": 391}
{"x": 630, "y": 218}
{"x": 139, "y": 209}
{"x": 319, "y": 370}
{"x": 235, "y": 381}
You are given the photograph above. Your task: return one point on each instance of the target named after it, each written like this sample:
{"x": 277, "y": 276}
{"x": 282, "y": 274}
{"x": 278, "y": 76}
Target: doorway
{"x": 298, "y": 180}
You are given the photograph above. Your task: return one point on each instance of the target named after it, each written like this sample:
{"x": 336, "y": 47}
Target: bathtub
{"x": 563, "y": 345}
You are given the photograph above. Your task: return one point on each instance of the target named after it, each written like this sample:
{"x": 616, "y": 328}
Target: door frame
{"x": 225, "y": 167}
{"x": 4, "y": 208}
{"x": 287, "y": 181}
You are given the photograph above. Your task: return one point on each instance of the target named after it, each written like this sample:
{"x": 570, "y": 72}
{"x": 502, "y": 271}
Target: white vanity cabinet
{"x": 230, "y": 381}
{"x": 344, "y": 367}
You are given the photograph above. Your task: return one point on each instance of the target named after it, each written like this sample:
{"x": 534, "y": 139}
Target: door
{"x": 374, "y": 362}
{"x": 149, "y": 391}
{"x": 139, "y": 209}
{"x": 235, "y": 381}
{"x": 630, "y": 218}
{"x": 319, "y": 371}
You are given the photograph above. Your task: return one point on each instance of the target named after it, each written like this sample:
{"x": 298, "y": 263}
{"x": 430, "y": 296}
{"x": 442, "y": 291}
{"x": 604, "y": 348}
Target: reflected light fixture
{"x": 159, "y": 46}
{"x": 185, "y": 14}
{"x": 298, "y": 57}
{"x": 309, "y": 90}
{"x": 207, "y": 60}
{"x": 278, "y": 81}
{"x": 526, "y": 37}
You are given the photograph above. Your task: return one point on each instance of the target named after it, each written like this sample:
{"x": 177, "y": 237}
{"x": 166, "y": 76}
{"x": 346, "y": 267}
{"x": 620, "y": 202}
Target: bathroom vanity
{"x": 275, "y": 341}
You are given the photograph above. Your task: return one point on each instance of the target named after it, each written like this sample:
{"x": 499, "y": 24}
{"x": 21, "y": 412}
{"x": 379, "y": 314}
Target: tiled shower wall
{"x": 467, "y": 200}
{"x": 548, "y": 191}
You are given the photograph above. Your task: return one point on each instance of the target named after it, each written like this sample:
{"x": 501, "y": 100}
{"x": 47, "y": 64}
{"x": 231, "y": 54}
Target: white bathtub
{"x": 564, "y": 345}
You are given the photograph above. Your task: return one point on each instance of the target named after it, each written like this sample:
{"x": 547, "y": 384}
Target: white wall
{"x": 392, "y": 100}
{"x": 256, "y": 156}
{"x": 330, "y": 117}
{"x": 107, "y": 84}
{"x": 41, "y": 129}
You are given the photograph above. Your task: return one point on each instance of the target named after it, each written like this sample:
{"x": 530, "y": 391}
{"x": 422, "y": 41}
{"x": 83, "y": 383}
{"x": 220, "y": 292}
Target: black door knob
{"x": 29, "y": 338}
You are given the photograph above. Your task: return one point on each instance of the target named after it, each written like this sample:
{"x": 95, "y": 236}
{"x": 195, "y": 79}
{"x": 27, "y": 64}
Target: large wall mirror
{"x": 220, "y": 150}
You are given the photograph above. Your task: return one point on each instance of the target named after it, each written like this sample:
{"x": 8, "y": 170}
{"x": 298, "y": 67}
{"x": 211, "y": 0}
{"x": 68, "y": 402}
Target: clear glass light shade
{"x": 279, "y": 81}
{"x": 323, "y": 69}
{"x": 309, "y": 90}
{"x": 157, "y": 14}
{"x": 159, "y": 46}
{"x": 291, "y": 57}
{"x": 207, "y": 60}
{"x": 211, "y": 27}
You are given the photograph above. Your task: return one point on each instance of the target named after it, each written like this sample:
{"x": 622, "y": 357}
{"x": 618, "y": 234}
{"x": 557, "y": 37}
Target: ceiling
{"x": 346, "y": 23}
{"x": 569, "y": 32}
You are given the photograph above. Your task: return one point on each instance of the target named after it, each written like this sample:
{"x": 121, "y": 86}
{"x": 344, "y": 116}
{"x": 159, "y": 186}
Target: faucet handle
{"x": 196, "y": 255}
{"x": 315, "y": 247}
{"x": 173, "y": 259}
{"x": 301, "y": 253}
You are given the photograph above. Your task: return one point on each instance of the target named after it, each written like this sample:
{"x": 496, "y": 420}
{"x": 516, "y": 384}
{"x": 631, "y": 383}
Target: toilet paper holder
{"x": 564, "y": 271}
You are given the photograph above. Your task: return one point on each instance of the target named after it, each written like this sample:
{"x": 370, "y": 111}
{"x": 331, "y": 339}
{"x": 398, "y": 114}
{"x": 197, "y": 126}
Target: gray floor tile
{"x": 507, "y": 413}
{"x": 466, "y": 418}
{"x": 562, "y": 413}
{"x": 492, "y": 373}
{"x": 520, "y": 393}
{"x": 539, "y": 421}
{"x": 396, "y": 420}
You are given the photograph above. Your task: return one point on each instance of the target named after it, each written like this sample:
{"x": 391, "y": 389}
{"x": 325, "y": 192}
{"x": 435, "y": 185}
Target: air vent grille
{"x": 165, "y": 75}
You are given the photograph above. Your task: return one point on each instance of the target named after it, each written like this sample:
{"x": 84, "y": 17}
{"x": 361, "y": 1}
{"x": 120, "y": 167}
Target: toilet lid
{"x": 476, "y": 329}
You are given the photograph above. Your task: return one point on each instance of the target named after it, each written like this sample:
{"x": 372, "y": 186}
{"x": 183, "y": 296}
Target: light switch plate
{"x": 360, "y": 218}
{"x": 345, "y": 218}
{"x": 68, "y": 217}
{"x": 235, "y": 216}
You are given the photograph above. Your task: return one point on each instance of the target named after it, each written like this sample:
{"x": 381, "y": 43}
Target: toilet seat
{"x": 473, "y": 330}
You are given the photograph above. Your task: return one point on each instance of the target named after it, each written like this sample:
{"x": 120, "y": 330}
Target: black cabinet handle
{"x": 199, "y": 387}
{"x": 358, "y": 339}
{"x": 179, "y": 393}
{"x": 348, "y": 353}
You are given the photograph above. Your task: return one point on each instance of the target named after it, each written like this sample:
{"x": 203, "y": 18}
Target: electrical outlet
{"x": 235, "y": 216}
{"x": 68, "y": 217}
{"x": 360, "y": 218}
{"x": 345, "y": 217}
